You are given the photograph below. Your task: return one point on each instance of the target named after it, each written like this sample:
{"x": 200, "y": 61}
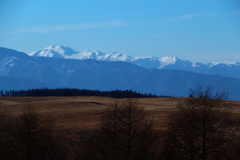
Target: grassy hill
{"x": 79, "y": 112}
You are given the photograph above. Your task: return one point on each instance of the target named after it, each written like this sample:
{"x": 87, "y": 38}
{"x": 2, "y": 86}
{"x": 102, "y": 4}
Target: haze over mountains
{"x": 58, "y": 66}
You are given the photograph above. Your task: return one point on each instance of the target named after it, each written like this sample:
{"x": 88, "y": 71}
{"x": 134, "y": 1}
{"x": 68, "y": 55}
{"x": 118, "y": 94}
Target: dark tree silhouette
{"x": 200, "y": 128}
{"x": 76, "y": 92}
{"x": 5, "y": 133}
{"x": 33, "y": 138}
{"x": 124, "y": 133}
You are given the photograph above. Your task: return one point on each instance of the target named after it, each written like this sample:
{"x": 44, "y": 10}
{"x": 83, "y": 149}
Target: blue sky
{"x": 197, "y": 30}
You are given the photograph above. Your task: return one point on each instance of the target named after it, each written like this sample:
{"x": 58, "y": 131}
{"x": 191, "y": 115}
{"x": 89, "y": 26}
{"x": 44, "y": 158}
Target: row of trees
{"x": 30, "y": 137}
{"x": 199, "y": 129}
{"x": 76, "y": 92}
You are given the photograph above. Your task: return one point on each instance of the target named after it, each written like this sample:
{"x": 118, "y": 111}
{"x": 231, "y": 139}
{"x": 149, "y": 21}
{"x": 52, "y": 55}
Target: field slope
{"x": 78, "y": 112}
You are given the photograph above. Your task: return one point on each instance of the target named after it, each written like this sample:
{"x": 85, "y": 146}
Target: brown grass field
{"x": 84, "y": 112}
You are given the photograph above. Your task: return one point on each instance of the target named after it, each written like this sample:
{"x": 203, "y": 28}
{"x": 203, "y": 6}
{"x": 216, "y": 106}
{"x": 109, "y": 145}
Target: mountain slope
{"x": 10, "y": 83}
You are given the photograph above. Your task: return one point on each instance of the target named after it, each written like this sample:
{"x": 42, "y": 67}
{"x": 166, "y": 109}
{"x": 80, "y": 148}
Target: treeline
{"x": 77, "y": 92}
{"x": 198, "y": 130}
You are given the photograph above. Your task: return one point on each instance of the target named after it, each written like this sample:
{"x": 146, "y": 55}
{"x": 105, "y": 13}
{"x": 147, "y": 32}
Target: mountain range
{"x": 224, "y": 68}
{"x": 57, "y": 66}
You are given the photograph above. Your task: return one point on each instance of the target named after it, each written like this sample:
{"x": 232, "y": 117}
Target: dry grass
{"x": 79, "y": 112}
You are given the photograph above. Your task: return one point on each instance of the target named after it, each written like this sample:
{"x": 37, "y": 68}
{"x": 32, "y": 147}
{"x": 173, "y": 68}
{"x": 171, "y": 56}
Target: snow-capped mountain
{"x": 69, "y": 53}
{"x": 115, "y": 56}
{"x": 20, "y": 71}
{"x": 54, "y": 52}
{"x": 224, "y": 63}
{"x": 97, "y": 55}
{"x": 146, "y": 62}
{"x": 225, "y": 68}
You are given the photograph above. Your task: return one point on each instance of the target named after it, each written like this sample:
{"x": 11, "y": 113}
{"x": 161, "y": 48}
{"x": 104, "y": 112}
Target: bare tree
{"x": 199, "y": 129}
{"x": 27, "y": 134}
{"x": 52, "y": 146}
{"x": 124, "y": 133}
{"x": 34, "y": 138}
{"x": 5, "y": 133}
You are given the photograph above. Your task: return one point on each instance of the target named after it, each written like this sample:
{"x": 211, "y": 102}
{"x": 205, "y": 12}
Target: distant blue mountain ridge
{"x": 20, "y": 71}
{"x": 224, "y": 68}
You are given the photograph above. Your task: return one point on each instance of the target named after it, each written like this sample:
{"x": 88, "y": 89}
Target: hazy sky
{"x": 197, "y": 30}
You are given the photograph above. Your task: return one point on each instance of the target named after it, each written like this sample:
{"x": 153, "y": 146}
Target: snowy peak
{"x": 115, "y": 56}
{"x": 197, "y": 65}
{"x": 224, "y": 63}
{"x": 168, "y": 60}
{"x": 93, "y": 54}
{"x": 50, "y": 47}
{"x": 88, "y": 54}
{"x": 172, "y": 60}
{"x": 46, "y": 53}
{"x": 54, "y": 52}
{"x": 64, "y": 50}
{"x": 98, "y": 55}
